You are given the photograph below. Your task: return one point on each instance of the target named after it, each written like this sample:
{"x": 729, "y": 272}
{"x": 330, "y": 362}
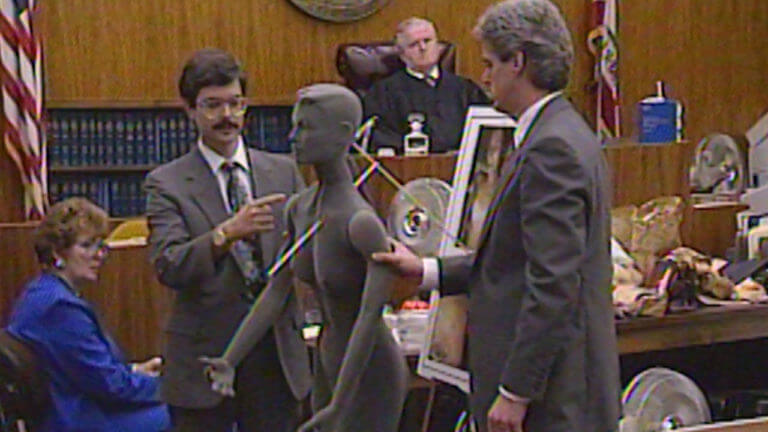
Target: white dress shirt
{"x": 430, "y": 77}
{"x": 215, "y": 162}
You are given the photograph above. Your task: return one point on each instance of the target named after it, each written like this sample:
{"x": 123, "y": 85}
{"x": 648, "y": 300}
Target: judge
{"x": 421, "y": 87}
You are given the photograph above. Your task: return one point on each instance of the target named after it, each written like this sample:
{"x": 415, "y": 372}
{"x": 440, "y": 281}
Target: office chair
{"x": 23, "y": 386}
{"x": 362, "y": 64}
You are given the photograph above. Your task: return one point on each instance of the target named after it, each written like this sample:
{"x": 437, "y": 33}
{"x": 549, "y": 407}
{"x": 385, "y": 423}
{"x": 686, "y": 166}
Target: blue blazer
{"x": 92, "y": 388}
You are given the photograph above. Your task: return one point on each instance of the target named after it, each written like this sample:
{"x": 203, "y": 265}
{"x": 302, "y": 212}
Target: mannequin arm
{"x": 270, "y": 303}
{"x": 264, "y": 312}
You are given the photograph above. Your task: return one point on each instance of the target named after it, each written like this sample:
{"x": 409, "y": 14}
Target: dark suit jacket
{"x": 540, "y": 315}
{"x": 393, "y": 98}
{"x": 184, "y": 205}
{"x": 91, "y": 386}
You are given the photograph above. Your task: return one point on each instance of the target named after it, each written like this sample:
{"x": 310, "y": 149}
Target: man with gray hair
{"x": 422, "y": 87}
{"x": 542, "y": 343}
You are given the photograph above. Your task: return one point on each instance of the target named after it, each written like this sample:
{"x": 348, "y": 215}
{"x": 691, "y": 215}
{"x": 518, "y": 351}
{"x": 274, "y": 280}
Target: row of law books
{"x": 141, "y": 137}
{"x": 104, "y": 154}
{"x": 120, "y": 195}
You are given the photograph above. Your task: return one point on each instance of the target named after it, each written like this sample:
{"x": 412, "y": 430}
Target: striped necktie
{"x": 247, "y": 253}
{"x": 237, "y": 194}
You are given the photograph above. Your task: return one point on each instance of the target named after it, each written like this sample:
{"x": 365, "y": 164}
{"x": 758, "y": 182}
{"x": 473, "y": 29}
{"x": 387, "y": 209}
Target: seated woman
{"x": 92, "y": 388}
{"x": 360, "y": 374}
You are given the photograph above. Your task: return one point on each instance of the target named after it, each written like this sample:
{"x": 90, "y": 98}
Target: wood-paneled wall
{"x": 129, "y": 53}
{"x": 642, "y": 172}
{"x": 711, "y": 54}
{"x": 11, "y": 209}
{"x": 105, "y": 51}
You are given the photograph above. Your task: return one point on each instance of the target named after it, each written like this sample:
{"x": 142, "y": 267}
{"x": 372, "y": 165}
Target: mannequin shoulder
{"x": 367, "y": 233}
{"x": 298, "y": 206}
{"x": 301, "y": 199}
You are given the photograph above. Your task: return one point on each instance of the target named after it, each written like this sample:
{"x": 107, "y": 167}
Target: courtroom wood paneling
{"x": 11, "y": 193}
{"x": 380, "y": 191}
{"x": 134, "y": 304}
{"x": 18, "y": 254}
{"x": 642, "y": 172}
{"x": 131, "y": 302}
{"x": 101, "y": 52}
{"x": 712, "y": 55}
{"x": 105, "y": 52}
{"x": 710, "y": 229}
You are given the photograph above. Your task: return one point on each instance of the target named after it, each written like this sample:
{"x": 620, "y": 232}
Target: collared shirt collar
{"x": 433, "y": 73}
{"x": 529, "y": 115}
{"x": 214, "y": 160}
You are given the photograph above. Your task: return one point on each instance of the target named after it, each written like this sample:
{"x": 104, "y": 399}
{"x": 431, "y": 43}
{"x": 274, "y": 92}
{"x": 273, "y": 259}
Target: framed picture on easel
{"x": 487, "y": 133}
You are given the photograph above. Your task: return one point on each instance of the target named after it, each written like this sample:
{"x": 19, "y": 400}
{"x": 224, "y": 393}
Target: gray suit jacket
{"x": 184, "y": 204}
{"x": 540, "y": 315}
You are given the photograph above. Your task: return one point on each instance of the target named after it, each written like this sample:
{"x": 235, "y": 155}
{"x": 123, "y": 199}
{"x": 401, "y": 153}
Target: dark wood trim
{"x": 701, "y": 327}
{"x": 95, "y": 104}
{"x": 90, "y": 169}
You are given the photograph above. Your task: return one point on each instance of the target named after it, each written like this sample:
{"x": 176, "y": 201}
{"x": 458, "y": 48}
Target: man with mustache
{"x": 215, "y": 221}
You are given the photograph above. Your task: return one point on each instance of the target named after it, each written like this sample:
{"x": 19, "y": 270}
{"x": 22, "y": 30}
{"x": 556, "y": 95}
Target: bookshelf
{"x": 104, "y": 153}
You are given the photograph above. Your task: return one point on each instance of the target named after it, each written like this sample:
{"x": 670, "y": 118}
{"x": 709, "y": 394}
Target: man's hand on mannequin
{"x": 410, "y": 267}
{"x": 401, "y": 258}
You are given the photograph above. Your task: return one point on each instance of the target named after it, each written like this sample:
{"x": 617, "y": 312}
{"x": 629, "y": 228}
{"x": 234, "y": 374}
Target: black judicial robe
{"x": 445, "y": 105}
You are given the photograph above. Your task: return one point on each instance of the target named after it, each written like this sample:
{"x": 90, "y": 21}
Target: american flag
{"x": 22, "y": 86}
{"x": 602, "y": 41}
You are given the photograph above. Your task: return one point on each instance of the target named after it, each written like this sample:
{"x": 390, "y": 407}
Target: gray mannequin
{"x": 360, "y": 376}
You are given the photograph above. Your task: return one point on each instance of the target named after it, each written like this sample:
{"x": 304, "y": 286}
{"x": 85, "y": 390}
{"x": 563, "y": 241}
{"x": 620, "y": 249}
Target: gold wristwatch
{"x": 220, "y": 239}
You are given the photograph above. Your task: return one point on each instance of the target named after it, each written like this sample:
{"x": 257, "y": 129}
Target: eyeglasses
{"x": 94, "y": 246}
{"x": 213, "y": 108}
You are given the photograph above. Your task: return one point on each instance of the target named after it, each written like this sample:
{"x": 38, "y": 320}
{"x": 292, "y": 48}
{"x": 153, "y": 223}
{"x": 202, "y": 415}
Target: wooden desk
{"x": 700, "y": 327}
{"x": 751, "y": 425}
{"x": 134, "y": 304}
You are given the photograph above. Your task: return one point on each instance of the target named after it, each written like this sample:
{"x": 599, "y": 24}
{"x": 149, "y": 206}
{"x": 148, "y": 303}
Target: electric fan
{"x": 659, "y": 400}
{"x": 417, "y": 214}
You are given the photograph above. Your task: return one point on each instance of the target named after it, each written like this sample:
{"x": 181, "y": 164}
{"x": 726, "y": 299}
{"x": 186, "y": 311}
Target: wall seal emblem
{"x": 339, "y": 10}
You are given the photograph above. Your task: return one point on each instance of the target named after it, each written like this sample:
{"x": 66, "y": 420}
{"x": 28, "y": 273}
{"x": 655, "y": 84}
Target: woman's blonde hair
{"x": 64, "y": 223}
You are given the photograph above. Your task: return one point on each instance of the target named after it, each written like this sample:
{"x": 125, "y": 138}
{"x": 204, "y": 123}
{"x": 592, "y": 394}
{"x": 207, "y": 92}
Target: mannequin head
{"x": 325, "y": 118}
